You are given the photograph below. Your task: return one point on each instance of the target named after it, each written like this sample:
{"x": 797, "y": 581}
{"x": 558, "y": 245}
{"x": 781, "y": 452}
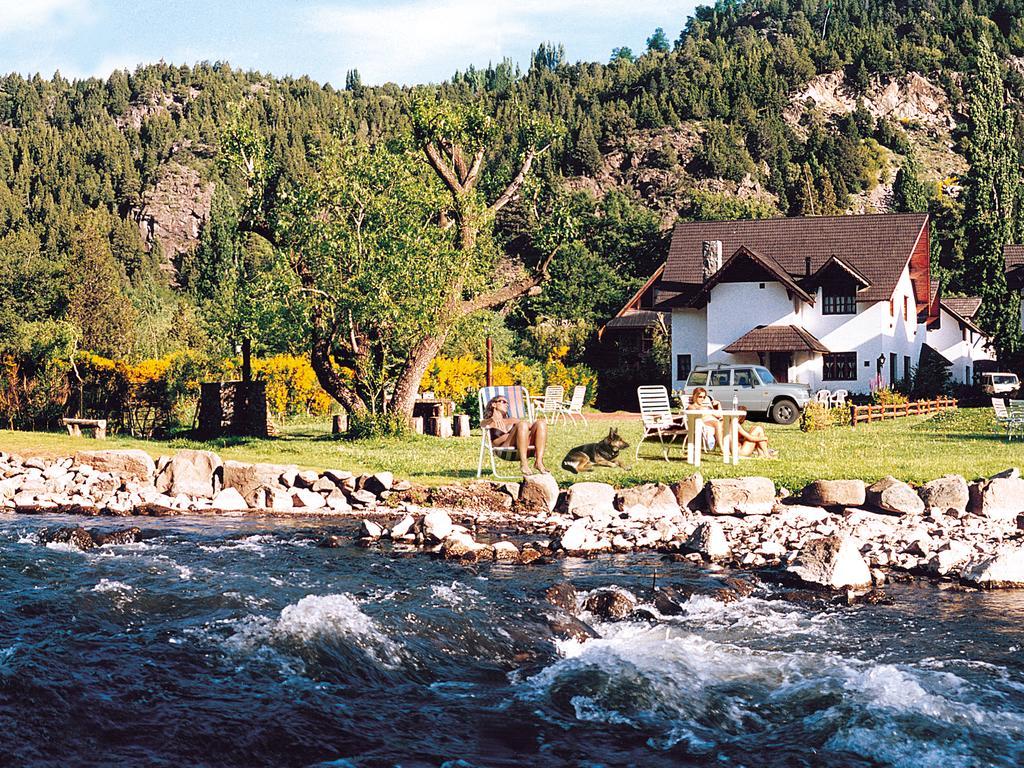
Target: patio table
{"x": 730, "y": 432}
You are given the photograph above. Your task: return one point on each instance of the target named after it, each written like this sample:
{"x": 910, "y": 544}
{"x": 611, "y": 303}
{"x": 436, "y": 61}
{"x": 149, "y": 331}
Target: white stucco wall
{"x": 736, "y": 308}
{"x": 948, "y": 339}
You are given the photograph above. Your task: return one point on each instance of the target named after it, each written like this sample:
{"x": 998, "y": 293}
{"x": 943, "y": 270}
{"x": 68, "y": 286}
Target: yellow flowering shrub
{"x": 450, "y": 378}
{"x": 292, "y": 386}
{"x": 557, "y": 373}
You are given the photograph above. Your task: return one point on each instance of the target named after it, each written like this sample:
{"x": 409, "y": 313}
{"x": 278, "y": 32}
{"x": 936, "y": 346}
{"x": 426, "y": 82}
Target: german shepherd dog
{"x": 584, "y": 458}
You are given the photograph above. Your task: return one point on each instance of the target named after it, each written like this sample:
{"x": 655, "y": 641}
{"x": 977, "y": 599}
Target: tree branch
{"x": 513, "y": 290}
{"x": 474, "y": 169}
{"x": 443, "y": 169}
{"x": 513, "y": 188}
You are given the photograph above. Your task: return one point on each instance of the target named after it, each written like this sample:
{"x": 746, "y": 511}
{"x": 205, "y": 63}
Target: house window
{"x": 892, "y": 308}
{"x": 839, "y": 366}
{"x": 967, "y": 375}
{"x": 838, "y": 300}
{"x": 906, "y": 369}
{"x": 683, "y": 365}
{"x": 964, "y": 330}
{"x": 906, "y": 309}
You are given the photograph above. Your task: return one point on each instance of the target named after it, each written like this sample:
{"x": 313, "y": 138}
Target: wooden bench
{"x": 98, "y": 427}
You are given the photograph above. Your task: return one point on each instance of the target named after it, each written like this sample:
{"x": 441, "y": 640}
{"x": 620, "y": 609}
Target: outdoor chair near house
{"x": 574, "y": 407}
{"x": 550, "y": 405}
{"x": 657, "y": 418}
{"x": 519, "y": 407}
{"x": 1009, "y": 419}
{"x": 824, "y": 397}
{"x": 839, "y": 398}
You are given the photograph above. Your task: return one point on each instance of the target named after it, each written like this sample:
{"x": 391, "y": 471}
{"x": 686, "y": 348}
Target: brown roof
{"x": 878, "y": 246}
{"x": 777, "y": 338}
{"x": 1014, "y": 255}
{"x": 767, "y": 263}
{"x": 966, "y": 307}
{"x": 641, "y": 318}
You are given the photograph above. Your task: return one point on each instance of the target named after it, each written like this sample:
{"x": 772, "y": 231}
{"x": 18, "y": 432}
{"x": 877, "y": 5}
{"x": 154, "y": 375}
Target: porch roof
{"x": 777, "y": 338}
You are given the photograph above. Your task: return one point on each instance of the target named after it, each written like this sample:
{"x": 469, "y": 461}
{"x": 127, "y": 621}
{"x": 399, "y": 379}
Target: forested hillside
{"x": 120, "y": 209}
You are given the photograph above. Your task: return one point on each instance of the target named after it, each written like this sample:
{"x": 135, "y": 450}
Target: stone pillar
{"x": 711, "y": 251}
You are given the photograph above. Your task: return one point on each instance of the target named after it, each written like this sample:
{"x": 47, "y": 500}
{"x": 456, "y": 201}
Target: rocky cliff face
{"x": 174, "y": 211}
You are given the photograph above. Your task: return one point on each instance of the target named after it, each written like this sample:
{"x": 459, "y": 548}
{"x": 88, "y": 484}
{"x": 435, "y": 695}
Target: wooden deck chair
{"x": 656, "y": 414}
{"x": 519, "y": 407}
{"x": 574, "y": 407}
{"x": 550, "y": 406}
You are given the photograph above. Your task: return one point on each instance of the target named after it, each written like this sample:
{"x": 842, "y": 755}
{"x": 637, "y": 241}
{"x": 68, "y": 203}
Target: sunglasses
{"x": 499, "y": 400}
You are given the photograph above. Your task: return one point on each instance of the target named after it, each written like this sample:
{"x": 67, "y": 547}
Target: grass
{"x": 917, "y": 449}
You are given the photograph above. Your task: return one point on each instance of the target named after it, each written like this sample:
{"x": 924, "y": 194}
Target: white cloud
{"x": 25, "y": 15}
{"x": 418, "y": 40}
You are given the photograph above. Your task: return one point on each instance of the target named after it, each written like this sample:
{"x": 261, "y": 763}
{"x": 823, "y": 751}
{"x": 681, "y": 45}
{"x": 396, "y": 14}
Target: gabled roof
{"x": 767, "y": 263}
{"x": 966, "y": 307}
{"x": 777, "y": 338}
{"x": 877, "y": 246}
{"x": 1014, "y": 256}
{"x": 835, "y": 263}
{"x": 639, "y": 318}
{"x": 945, "y": 304}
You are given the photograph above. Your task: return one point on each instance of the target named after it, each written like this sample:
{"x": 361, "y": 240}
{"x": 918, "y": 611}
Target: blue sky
{"x": 405, "y": 41}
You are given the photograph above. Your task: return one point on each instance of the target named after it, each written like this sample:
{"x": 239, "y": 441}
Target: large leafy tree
{"x": 989, "y": 200}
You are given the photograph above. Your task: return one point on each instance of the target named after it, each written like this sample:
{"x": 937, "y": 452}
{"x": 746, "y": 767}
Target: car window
{"x": 720, "y": 378}
{"x": 743, "y": 377}
{"x": 765, "y": 375}
{"x": 1005, "y": 379}
{"x": 698, "y": 379}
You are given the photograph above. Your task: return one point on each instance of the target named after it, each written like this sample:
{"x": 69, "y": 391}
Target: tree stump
{"x": 339, "y": 424}
{"x": 461, "y": 425}
{"x": 439, "y": 426}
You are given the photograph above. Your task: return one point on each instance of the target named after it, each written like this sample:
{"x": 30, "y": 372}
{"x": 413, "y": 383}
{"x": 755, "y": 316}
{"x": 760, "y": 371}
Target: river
{"x": 239, "y": 642}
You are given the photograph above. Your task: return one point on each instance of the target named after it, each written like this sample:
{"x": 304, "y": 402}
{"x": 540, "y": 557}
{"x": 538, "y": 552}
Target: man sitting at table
{"x": 711, "y": 423}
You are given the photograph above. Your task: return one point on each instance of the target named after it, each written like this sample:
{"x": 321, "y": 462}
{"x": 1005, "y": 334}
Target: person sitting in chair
{"x": 753, "y": 439}
{"x": 524, "y": 436}
{"x": 711, "y": 422}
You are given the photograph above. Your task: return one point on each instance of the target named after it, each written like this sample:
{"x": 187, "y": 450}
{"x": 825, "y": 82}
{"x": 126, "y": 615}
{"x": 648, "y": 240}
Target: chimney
{"x": 712, "y": 253}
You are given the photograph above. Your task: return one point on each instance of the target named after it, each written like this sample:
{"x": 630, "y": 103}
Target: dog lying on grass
{"x": 584, "y": 458}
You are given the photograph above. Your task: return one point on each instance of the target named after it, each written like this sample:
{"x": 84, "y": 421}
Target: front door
{"x": 893, "y": 382}
{"x": 779, "y": 364}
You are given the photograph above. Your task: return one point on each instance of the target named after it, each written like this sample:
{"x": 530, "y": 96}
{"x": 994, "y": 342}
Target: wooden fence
{"x": 869, "y": 413}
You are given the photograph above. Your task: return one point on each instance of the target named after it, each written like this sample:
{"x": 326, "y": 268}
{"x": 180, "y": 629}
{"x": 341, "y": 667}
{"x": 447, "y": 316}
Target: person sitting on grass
{"x": 753, "y": 439}
{"x": 524, "y": 436}
{"x": 710, "y": 422}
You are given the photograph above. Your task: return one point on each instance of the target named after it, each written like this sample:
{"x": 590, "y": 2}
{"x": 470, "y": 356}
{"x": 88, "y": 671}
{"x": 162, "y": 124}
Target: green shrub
{"x": 888, "y": 396}
{"x": 377, "y": 425}
{"x": 816, "y": 416}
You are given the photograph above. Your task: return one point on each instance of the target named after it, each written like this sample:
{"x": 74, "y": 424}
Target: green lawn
{"x": 916, "y": 449}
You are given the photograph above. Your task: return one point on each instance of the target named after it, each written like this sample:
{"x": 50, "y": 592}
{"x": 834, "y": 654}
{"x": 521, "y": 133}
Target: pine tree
{"x": 990, "y": 194}
{"x": 909, "y": 194}
{"x": 658, "y": 42}
{"x": 586, "y": 154}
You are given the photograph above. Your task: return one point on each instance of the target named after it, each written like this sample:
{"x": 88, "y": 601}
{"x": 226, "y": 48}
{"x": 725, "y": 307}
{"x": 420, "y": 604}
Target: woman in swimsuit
{"x": 524, "y": 436}
{"x": 711, "y": 422}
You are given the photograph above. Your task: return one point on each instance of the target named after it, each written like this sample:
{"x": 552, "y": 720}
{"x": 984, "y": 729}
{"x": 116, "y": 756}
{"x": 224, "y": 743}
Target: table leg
{"x": 698, "y": 438}
{"x": 734, "y": 439}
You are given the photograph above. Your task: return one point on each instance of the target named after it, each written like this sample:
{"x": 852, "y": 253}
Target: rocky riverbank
{"x": 836, "y": 534}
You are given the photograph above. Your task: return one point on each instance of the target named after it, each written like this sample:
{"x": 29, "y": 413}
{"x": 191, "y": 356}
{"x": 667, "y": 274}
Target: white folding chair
{"x": 519, "y": 407}
{"x": 1011, "y": 418}
{"x": 656, "y": 415}
{"x": 550, "y": 406}
{"x": 823, "y": 396}
{"x": 839, "y": 398}
{"x": 574, "y": 407}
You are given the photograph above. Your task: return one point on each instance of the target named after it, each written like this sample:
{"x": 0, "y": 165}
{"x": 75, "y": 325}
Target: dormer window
{"x": 839, "y": 299}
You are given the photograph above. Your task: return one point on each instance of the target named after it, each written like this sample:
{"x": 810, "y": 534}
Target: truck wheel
{"x": 784, "y": 411}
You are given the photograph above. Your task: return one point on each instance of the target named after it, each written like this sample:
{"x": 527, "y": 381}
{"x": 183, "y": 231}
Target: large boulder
{"x": 1001, "y": 498}
{"x": 610, "y": 604}
{"x": 689, "y": 492}
{"x": 575, "y": 536}
{"x": 650, "y": 499}
{"x": 539, "y": 491}
{"x": 590, "y": 500}
{"x": 948, "y": 492}
{"x": 892, "y": 495}
{"x": 1004, "y": 569}
{"x": 709, "y": 540}
{"x": 437, "y": 525}
{"x": 835, "y": 493}
{"x": 129, "y": 464}
{"x": 192, "y": 473}
{"x": 229, "y": 500}
{"x": 834, "y": 562}
{"x": 255, "y": 482}
{"x": 741, "y": 496}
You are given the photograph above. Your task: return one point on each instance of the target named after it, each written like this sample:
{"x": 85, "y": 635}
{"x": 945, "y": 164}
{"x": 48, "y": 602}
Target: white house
{"x": 838, "y": 301}
{"x": 955, "y": 336}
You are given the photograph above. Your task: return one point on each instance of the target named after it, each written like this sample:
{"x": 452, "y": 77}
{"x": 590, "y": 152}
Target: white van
{"x": 998, "y": 383}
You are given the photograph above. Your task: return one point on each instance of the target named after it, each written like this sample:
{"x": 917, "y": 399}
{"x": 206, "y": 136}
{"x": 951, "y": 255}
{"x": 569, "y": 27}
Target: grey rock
{"x": 539, "y": 491}
{"x": 129, "y": 464}
{"x": 709, "y": 540}
{"x": 370, "y": 530}
{"x": 229, "y": 500}
{"x": 404, "y": 526}
{"x": 740, "y": 495}
{"x": 610, "y": 604}
{"x": 998, "y": 499}
{"x": 835, "y": 493}
{"x": 590, "y": 499}
{"x": 192, "y": 473}
{"x": 1004, "y": 569}
{"x": 834, "y": 562}
{"x": 895, "y": 496}
{"x": 563, "y": 596}
{"x": 575, "y": 536}
{"x": 689, "y": 492}
{"x": 947, "y": 492}
{"x": 437, "y": 525}
{"x": 654, "y": 499}
{"x": 380, "y": 482}
{"x": 303, "y": 498}
{"x": 506, "y": 552}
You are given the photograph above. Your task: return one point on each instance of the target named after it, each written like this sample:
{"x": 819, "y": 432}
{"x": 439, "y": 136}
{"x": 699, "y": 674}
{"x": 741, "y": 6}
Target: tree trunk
{"x": 332, "y": 381}
{"x": 408, "y": 384}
